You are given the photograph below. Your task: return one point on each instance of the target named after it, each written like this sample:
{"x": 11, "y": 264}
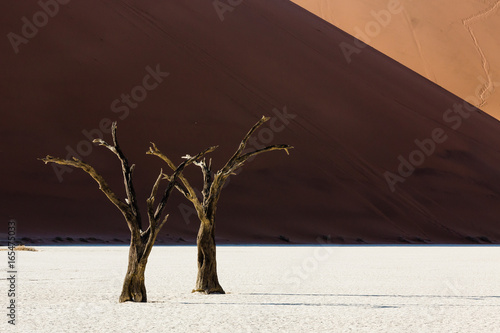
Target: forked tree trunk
{"x": 207, "y": 280}
{"x": 134, "y": 287}
{"x": 141, "y": 242}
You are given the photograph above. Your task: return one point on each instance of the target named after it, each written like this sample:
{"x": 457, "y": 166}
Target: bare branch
{"x": 163, "y": 222}
{"x": 145, "y": 234}
{"x": 242, "y": 159}
{"x": 131, "y": 211}
{"x": 188, "y": 192}
{"x": 207, "y": 177}
{"x": 153, "y": 150}
{"x": 173, "y": 182}
{"x": 150, "y": 201}
{"x": 103, "y": 185}
{"x": 182, "y": 190}
{"x": 243, "y": 144}
{"x": 235, "y": 162}
{"x": 126, "y": 170}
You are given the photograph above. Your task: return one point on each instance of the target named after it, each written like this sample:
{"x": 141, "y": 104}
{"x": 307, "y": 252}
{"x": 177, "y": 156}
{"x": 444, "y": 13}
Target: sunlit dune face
{"x": 451, "y": 43}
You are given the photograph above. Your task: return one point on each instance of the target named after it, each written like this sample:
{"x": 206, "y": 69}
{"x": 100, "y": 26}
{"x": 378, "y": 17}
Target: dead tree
{"x": 207, "y": 280}
{"x": 141, "y": 241}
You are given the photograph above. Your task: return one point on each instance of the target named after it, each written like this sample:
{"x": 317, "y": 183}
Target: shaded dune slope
{"x": 348, "y": 124}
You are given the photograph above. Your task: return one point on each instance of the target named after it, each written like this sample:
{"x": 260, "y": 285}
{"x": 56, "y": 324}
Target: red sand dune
{"x": 452, "y": 43}
{"x": 349, "y": 125}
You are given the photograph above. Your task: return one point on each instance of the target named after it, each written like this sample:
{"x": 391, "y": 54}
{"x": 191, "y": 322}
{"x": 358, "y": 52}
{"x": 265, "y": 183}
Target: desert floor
{"x": 269, "y": 289}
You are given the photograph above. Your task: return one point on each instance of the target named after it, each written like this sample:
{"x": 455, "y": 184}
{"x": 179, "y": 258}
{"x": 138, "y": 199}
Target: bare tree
{"x": 141, "y": 241}
{"x": 207, "y": 280}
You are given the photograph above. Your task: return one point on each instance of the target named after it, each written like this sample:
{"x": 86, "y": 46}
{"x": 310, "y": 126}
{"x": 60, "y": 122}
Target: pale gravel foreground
{"x": 341, "y": 289}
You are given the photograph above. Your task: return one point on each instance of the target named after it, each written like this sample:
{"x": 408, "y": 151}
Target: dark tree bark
{"x": 141, "y": 242}
{"x": 207, "y": 280}
{"x": 134, "y": 287}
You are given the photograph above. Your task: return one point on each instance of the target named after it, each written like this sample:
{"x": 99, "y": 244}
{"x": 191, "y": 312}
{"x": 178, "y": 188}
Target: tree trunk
{"x": 134, "y": 288}
{"x": 207, "y": 280}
